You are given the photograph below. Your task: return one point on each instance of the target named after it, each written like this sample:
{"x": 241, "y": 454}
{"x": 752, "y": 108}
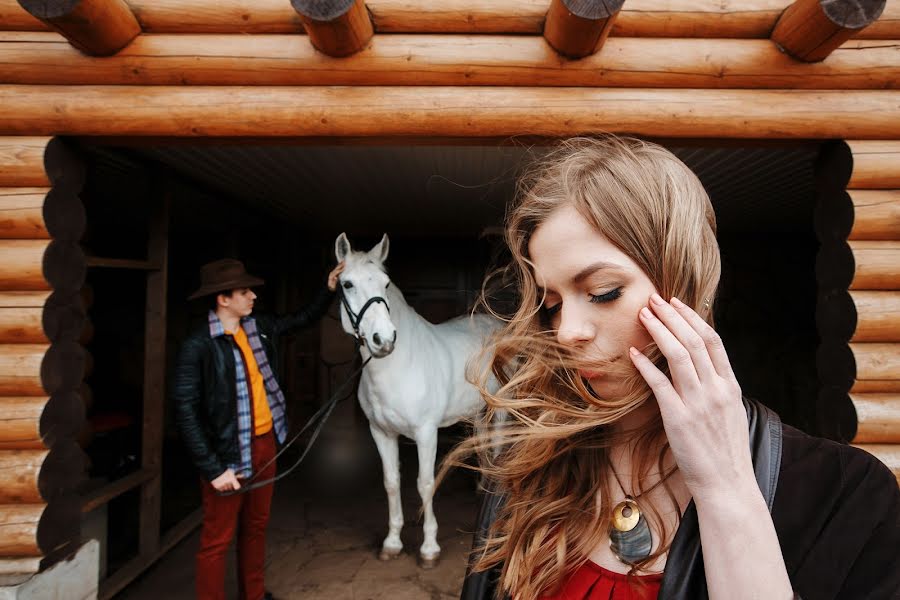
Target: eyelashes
{"x": 615, "y": 294}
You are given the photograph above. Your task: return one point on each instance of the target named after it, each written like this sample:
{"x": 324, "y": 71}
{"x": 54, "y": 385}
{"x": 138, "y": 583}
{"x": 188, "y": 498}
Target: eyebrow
{"x": 588, "y": 271}
{"x": 593, "y": 268}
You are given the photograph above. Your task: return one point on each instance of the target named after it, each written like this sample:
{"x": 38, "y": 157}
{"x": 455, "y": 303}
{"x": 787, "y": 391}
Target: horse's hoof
{"x": 429, "y": 562}
{"x": 387, "y": 554}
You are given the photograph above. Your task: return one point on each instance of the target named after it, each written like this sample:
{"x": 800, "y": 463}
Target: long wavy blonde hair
{"x": 550, "y": 460}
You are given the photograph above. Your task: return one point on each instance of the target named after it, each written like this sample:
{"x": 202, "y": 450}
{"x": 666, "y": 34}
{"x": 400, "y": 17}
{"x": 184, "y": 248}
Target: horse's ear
{"x": 380, "y": 250}
{"x": 341, "y": 247}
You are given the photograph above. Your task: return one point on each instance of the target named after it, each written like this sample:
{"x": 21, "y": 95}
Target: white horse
{"x": 415, "y": 383}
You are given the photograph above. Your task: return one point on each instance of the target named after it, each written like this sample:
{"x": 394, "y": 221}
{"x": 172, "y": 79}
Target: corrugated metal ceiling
{"x": 462, "y": 189}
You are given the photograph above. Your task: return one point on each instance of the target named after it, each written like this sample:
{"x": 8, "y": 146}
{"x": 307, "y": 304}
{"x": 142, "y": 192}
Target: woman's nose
{"x": 574, "y": 330}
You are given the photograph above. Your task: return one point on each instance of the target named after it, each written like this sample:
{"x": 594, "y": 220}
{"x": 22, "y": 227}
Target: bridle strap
{"x": 356, "y": 319}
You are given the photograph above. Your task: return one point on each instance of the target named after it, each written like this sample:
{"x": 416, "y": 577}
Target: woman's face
{"x": 593, "y": 294}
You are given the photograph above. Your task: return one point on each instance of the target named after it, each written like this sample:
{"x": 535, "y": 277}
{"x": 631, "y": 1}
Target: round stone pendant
{"x": 629, "y": 534}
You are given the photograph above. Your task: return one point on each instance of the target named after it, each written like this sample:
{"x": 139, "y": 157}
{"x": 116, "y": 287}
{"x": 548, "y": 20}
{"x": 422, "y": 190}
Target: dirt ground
{"x": 327, "y": 524}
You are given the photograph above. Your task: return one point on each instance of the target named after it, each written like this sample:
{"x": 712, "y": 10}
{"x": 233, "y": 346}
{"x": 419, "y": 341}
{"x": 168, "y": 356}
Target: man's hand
{"x": 333, "y": 276}
{"x": 226, "y": 482}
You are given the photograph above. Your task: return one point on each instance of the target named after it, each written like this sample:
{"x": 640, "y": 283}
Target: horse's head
{"x": 363, "y": 285}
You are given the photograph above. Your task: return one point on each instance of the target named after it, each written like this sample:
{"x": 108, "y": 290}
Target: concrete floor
{"x": 326, "y": 530}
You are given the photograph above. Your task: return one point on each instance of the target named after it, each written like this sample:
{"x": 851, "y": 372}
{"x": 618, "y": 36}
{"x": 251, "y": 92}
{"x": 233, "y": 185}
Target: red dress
{"x": 593, "y": 582}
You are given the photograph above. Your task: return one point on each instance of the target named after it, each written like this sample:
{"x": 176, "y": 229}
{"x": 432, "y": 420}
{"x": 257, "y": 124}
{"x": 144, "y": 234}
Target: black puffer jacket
{"x": 204, "y": 389}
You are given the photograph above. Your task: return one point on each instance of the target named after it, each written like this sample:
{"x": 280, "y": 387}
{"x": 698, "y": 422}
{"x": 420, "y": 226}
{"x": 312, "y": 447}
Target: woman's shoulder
{"x": 812, "y": 463}
{"x": 837, "y": 515}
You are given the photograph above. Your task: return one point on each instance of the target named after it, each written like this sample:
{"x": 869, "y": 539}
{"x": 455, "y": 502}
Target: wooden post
{"x": 154, "y": 374}
{"x": 809, "y": 30}
{"x": 336, "y": 27}
{"x": 578, "y": 28}
{"x": 96, "y": 27}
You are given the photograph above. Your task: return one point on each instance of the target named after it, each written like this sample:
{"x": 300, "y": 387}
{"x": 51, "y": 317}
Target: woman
{"x": 628, "y": 446}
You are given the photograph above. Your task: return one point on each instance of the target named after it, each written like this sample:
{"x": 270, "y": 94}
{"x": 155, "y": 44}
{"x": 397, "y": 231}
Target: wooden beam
{"x": 876, "y": 265}
{"x": 638, "y": 18}
{"x": 22, "y": 326}
{"x": 20, "y": 426}
{"x": 876, "y": 164}
{"x": 18, "y": 529}
{"x": 21, "y": 213}
{"x": 114, "y": 489}
{"x": 578, "y": 28}
{"x": 337, "y": 112}
{"x": 809, "y": 30}
{"x": 335, "y": 27}
{"x": 22, "y": 161}
{"x": 190, "y": 59}
{"x": 876, "y": 361}
{"x": 153, "y": 426}
{"x": 877, "y": 316}
{"x": 96, "y": 27}
{"x": 878, "y": 417}
{"x": 876, "y": 214}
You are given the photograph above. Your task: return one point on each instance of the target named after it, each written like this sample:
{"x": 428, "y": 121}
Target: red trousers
{"x": 248, "y": 514}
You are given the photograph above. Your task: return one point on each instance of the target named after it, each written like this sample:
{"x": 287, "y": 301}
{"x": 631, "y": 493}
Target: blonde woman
{"x": 631, "y": 466}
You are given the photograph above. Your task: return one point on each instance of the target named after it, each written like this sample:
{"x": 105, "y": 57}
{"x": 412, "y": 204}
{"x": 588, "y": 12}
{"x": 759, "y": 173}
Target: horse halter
{"x": 356, "y": 319}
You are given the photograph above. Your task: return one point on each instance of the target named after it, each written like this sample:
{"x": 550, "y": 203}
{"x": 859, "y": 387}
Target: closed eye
{"x": 607, "y": 297}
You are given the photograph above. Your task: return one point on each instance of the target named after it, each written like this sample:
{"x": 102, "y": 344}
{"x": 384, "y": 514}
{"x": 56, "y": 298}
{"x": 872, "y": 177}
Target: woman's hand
{"x": 226, "y": 482}
{"x": 333, "y": 276}
{"x": 702, "y": 411}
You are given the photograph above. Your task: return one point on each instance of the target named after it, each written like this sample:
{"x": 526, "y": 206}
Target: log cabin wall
{"x": 451, "y": 70}
{"x": 41, "y": 359}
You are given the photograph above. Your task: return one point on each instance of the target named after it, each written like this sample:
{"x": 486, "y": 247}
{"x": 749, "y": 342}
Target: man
{"x": 230, "y": 411}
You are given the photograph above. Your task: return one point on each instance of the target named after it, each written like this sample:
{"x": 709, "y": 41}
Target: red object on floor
{"x": 593, "y": 582}
{"x": 248, "y": 515}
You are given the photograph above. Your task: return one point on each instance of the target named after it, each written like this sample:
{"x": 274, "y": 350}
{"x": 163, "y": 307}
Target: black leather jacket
{"x": 204, "y": 387}
{"x": 836, "y": 513}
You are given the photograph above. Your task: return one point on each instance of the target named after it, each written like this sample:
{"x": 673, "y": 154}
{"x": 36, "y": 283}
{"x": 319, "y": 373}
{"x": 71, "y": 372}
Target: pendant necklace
{"x": 629, "y": 533}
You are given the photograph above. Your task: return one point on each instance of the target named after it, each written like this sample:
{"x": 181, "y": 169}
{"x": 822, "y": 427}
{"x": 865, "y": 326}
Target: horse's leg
{"x": 390, "y": 463}
{"x": 426, "y": 444}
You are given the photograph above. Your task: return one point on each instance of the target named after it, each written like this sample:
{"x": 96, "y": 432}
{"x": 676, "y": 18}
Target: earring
{"x": 706, "y": 304}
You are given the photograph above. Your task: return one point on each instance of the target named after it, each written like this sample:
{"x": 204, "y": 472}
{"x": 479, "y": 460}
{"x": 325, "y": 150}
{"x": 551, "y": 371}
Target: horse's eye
{"x": 388, "y": 285}
{"x": 347, "y": 285}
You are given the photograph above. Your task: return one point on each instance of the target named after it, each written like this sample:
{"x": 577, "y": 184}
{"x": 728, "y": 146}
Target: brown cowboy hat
{"x": 222, "y": 275}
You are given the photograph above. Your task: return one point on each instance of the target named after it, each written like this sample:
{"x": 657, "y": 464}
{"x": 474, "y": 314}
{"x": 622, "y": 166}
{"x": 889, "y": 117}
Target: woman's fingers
{"x": 686, "y": 334}
{"x": 681, "y": 365}
{"x": 670, "y": 403}
{"x": 714, "y": 346}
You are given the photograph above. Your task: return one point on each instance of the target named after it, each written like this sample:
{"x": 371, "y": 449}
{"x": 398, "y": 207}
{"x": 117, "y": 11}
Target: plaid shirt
{"x": 244, "y": 411}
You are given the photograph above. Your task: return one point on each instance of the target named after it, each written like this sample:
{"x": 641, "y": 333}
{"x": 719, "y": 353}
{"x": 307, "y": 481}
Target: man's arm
{"x": 187, "y": 394}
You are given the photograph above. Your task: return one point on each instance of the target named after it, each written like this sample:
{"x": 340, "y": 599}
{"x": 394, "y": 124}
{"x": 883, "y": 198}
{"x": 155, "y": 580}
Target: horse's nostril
{"x": 377, "y": 339}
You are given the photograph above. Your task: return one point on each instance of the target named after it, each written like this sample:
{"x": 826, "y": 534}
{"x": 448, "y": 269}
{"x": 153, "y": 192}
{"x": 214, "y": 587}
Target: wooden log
{"x": 876, "y": 214}
{"x": 190, "y": 59}
{"x": 18, "y": 529}
{"x": 873, "y": 386}
{"x": 335, "y": 27}
{"x": 22, "y": 266}
{"x": 877, "y": 265}
{"x": 19, "y": 473}
{"x": 18, "y": 311}
{"x": 836, "y": 367}
{"x": 22, "y": 326}
{"x": 835, "y": 417}
{"x": 65, "y": 169}
{"x": 889, "y": 454}
{"x": 63, "y": 367}
{"x": 809, "y": 30}
{"x": 20, "y": 368}
{"x": 876, "y": 165}
{"x": 96, "y": 27}
{"x": 876, "y": 361}
{"x": 835, "y": 266}
{"x": 21, "y": 213}
{"x": 878, "y": 417}
{"x": 20, "y": 425}
{"x": 63, "y": 214}
{"x": 638, "y": 18}
{"x": 22, "y": 162}
{"x": 62, "y": 471}
{"x": 446, "y": 112}
{"x": 579, "y": 28}
{"x": 878, "y": 316}
{"x": 19, "y": 568}
{"x": 63, "y": 317}
{"x": 836, "y": 316}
